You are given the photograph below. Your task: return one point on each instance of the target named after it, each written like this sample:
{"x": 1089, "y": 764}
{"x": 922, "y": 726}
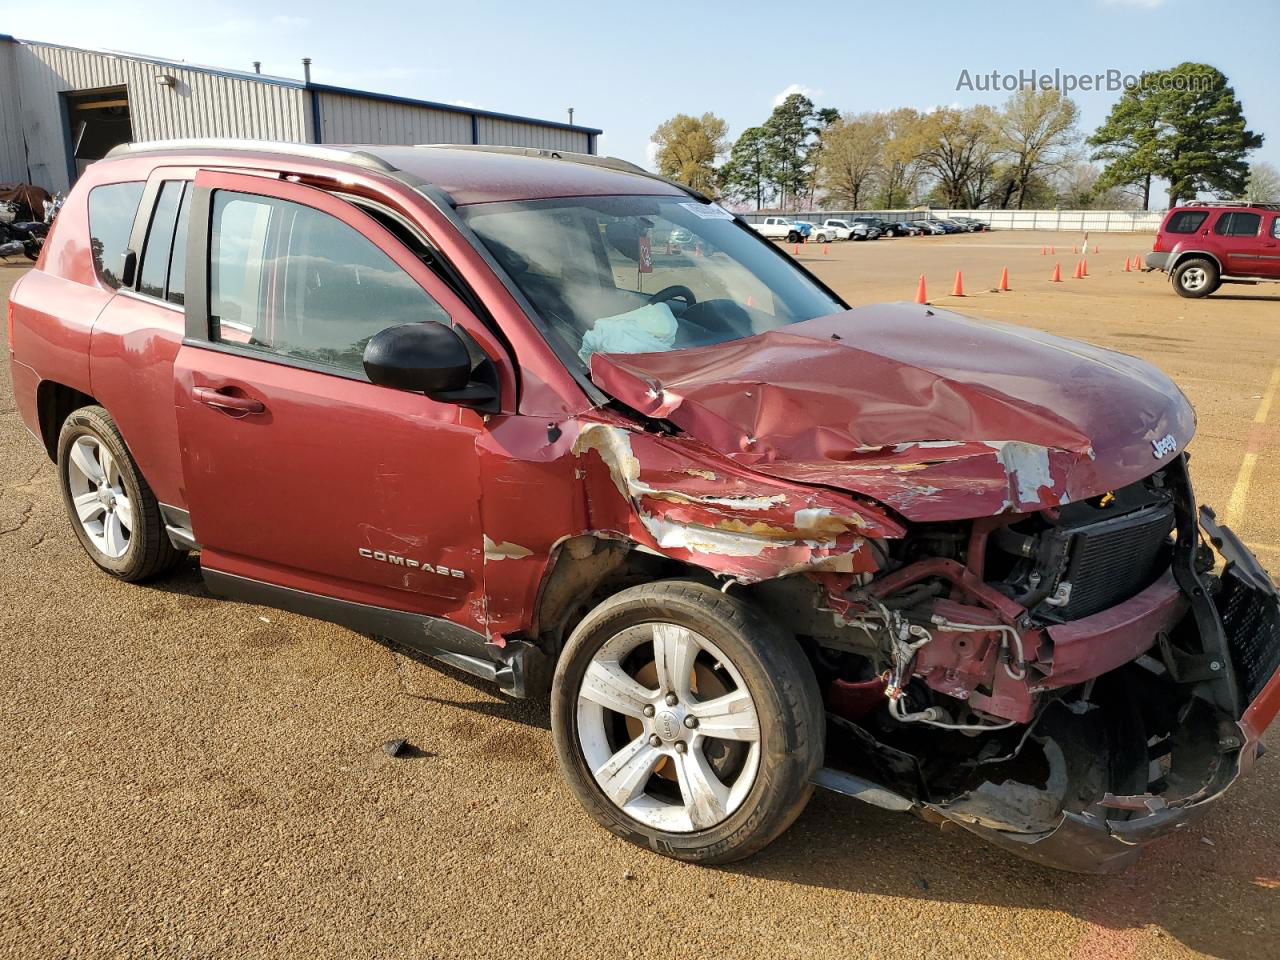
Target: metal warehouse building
{"x": 64, "y": 107}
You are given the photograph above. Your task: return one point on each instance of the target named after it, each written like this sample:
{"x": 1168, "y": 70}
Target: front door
{"x": 299, "y": 472}
{"x": 1238, "y": 235}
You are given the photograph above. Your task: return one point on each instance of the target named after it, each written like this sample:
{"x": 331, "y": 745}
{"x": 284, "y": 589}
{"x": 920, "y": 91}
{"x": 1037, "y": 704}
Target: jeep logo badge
{"x": 1164, "y": 446}
{"x": 666, "y": 725}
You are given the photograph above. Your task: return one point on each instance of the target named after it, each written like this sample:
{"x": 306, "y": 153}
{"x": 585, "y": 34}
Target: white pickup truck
{"x": 841, "y": 230}
{"x": 782, "y": 228}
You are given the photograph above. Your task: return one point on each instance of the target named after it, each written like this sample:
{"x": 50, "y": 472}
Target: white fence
{"x": 1076, "y": 221}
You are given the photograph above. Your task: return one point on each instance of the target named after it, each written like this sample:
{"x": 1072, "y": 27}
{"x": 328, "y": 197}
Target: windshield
{"x": 644, "y": 274}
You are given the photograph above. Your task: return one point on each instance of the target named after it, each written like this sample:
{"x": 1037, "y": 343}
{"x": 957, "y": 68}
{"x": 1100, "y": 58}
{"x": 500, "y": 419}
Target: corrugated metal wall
{"x": 512, "y": 133}
{"x": 347, "y": 119}
{"x": 199, "y": 105}
{"x": 353, "y": 119}
{"x": 13, "y": 161}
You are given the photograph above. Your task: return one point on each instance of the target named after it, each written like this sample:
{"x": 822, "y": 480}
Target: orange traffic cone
{"x": 1127, "y": 268}
{"x": 1044, "y": 251}
{"x": 1051, "y": 251}
{"x": 1073, "y": 249}
{"x": 1004, "y": 280}
{"x": 958, "y": 289}
{"x": 1078, "y": 275}
{"x": 796, "y": 250}
{"x": 1057, "y": 273}
{"x": 824, "y": 249}
{"x": 697, "y": 250}
{"x": 1095, "y": 248}
{"x": 920, "y": 295}
{"x": 1084, "y": 267}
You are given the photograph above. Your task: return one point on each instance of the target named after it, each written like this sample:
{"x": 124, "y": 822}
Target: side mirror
{"x": 424, "y": 357}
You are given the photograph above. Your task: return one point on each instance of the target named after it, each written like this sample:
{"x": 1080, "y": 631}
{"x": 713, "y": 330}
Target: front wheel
{"x": 1195, "y": 278}
{"x": 687, "y": 722}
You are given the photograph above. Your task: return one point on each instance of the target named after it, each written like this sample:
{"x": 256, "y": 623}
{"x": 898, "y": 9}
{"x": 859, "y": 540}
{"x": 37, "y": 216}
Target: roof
{"x": 468, "y": 174}
{"x": 303, "y": 85}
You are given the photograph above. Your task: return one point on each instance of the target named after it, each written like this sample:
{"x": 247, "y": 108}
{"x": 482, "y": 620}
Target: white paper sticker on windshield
{"x": 708, "y": 211}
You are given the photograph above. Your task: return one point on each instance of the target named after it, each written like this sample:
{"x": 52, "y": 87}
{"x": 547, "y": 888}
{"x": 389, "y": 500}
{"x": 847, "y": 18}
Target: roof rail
{"x": 311, "y": 151}
{"x": 590, "y": 159}
{"x": 1256, "y": 204}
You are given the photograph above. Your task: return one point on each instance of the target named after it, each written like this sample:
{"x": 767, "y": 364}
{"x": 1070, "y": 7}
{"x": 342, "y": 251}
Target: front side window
{"x": 1186, "y": 221}
{"x": 1238, "y": 225}
{"x": 644, "y": 274}
{"x": 112, "y": 208}
{"x": 290, "y": 280}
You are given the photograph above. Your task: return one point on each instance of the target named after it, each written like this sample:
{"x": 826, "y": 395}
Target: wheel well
{"x": 1195, "y": 255}
{"x": 54, "y": 403}
{"x": 588, "y": 569}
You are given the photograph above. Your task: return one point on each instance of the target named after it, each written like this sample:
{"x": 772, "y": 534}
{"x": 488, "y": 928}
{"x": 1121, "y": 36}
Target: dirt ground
{"x": 189, "y": 777}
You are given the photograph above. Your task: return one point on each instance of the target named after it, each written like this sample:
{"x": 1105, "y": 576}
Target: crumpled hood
{"x": 937, "y": 415}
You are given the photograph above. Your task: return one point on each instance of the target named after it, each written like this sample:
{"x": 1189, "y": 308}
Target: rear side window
{"x": 290, "y": 280}
{"x": 112, "y": 208}
{"x": 176, "y": 290}
{"x": 1186, "y": 221}
{"x": 1238, "y": 225}
{"x": 1275, "y": 228}
{"x": 159, "y": 245}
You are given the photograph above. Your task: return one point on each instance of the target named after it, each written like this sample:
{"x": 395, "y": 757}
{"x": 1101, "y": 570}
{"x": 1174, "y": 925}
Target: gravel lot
{"x": 190, "y": 777}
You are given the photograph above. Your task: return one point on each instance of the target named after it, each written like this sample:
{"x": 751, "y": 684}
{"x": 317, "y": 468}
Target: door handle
{"x": 226, "y": 401}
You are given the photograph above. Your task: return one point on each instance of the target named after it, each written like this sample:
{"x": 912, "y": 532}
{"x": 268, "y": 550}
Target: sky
{"x": 627, "y": 67}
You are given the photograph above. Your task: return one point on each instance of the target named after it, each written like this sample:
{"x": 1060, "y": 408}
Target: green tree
{"x": 1183, "y": 125}
{"x": 689, "y": 148}
{"x": 900, "y": 164}
{"x": 788, "y": 136}
{"x": 748, "y": 174}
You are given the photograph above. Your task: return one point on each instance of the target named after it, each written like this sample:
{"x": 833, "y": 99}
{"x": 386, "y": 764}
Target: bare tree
{"x": 958, "y": 148}
{"x": 1035, "y": 133}
{"x": 1264, "y": 183}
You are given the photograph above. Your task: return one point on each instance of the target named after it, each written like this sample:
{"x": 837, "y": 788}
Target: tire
{"x": 1195, "y": 278}
{"x": 135, "y": 548}
{"x": 821, "y": 238}
{"x": 793, "y": 237}
{"x": 785, "y": 713}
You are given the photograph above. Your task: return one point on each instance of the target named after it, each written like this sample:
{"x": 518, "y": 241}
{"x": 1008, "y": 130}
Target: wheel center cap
{"x": 106, "y": 497}
{"x": 667, "y": 725}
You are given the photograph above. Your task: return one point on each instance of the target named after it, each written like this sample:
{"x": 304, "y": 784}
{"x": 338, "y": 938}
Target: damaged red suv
{"x": 576, "y": 429}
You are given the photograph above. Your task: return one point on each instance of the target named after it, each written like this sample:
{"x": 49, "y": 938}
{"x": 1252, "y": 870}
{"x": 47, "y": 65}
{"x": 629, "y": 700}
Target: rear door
{"x": 299, "y": 472}
{"x": 1237, "y": 234}
{"x": 1269, "y": 265}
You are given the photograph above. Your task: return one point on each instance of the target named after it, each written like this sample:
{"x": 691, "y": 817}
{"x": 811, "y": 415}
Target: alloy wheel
{"x": 102, "y": 504}
{"x": 668, "y": 728}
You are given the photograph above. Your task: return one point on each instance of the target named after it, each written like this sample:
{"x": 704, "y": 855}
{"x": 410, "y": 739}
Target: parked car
{"x": 1204, "y": 245}
{"x": 947, "y": 567}
{"x": 843, "y": 230}
{"x": 900, "y": 228}
{"x": 973, "y": 226}
{"x": 952, "y": 226}
{"x": 929, "y": 227}
{"x": 875, "y": 226}
{"x": 783, "y": 228}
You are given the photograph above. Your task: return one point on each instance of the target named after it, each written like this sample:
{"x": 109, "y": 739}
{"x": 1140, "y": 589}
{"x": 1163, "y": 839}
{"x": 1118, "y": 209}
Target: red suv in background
{"x": 475, "y": 401}
{"x": 1204, "y": 245}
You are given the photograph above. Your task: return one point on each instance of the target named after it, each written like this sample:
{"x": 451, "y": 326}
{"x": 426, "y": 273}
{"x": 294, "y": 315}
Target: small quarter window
{"x": 112, "y": 208}
{"x": 178, "y": 261}
{"x": 1275, "y": 227}
{"x": 1186, "y": 221}
{"x": 289, "y": 280}
{"x": 155, "y": 254}
{"x": 1238, "y": 225}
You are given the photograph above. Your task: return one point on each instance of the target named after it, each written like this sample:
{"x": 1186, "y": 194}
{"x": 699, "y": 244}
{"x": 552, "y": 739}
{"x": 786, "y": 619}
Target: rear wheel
{"x": 114, "y": 513}
{"x": 793, "y": 237}
{"x": 1195, "y": 278}
{"x": 686, "y": 722}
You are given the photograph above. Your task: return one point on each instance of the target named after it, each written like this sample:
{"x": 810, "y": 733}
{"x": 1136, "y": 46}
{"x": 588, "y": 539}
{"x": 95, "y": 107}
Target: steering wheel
{"x": 676, "y": 291}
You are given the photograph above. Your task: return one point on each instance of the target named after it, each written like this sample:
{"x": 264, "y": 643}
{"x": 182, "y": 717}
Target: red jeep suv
{"x": 1203, "y": 245}
{"x": 749, "y": 540}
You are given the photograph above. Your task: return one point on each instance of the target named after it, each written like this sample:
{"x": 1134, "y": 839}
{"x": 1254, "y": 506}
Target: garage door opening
{"x": 97, "y": 120}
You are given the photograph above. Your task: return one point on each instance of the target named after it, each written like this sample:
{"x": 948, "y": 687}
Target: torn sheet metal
{"x": 675, "y": 496}
{"x": 939, "y": 416}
